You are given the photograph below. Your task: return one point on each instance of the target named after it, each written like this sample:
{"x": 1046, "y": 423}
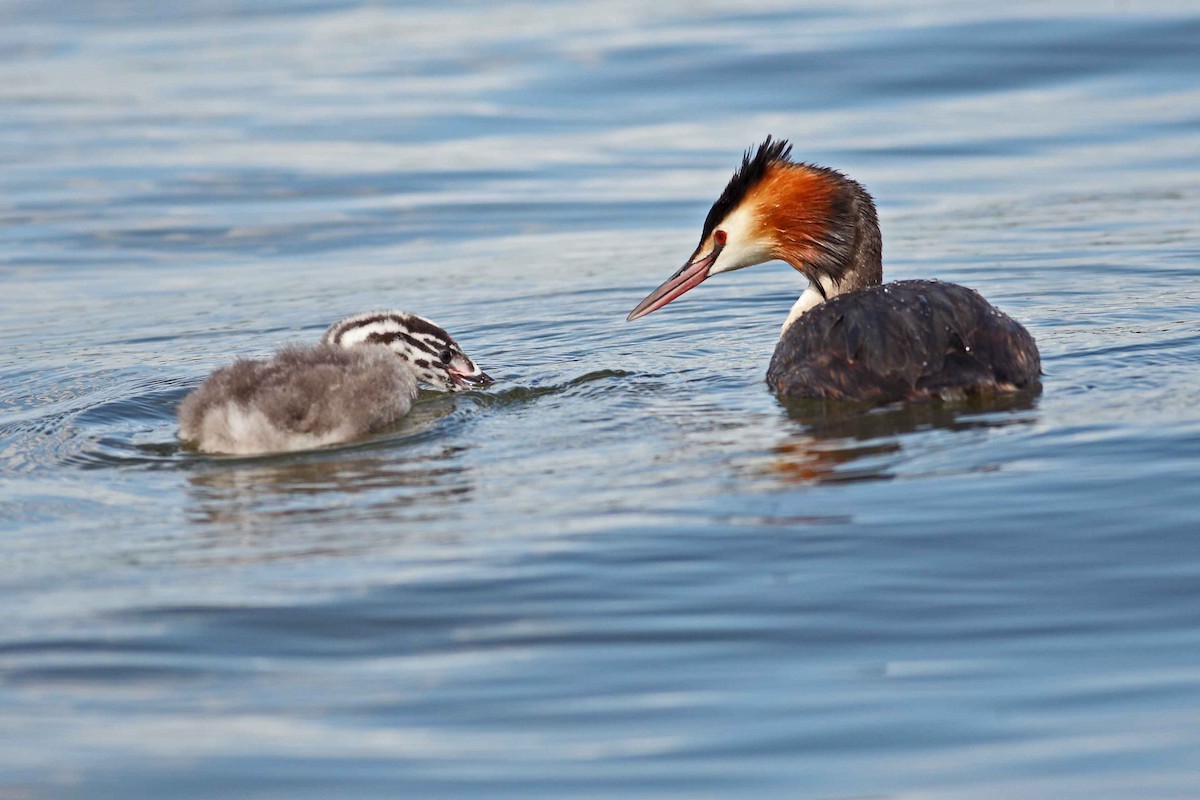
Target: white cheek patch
{"x": 744, "y": 246}
{"x": 417, "y": 341}
{"x": 356, "y": 336}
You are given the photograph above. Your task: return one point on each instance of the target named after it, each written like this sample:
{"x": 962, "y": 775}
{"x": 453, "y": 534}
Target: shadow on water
{"x": 838, "y": 442}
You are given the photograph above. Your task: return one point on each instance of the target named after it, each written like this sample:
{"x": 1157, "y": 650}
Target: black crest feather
{"x": 746, "y": 177}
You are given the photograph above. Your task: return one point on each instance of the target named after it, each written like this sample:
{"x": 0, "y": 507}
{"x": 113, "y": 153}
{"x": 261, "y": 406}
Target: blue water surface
{"x": 627, "y": 570}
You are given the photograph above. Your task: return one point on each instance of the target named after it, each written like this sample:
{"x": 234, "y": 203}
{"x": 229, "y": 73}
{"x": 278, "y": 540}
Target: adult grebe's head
{"x": 814, "y": 218}
{"x": 433, "y": 355}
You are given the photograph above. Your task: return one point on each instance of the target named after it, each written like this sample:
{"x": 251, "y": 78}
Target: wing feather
{"x": 903, "y": 341}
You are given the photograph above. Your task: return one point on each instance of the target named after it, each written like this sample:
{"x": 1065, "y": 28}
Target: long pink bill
{"x": 692, "y": 274}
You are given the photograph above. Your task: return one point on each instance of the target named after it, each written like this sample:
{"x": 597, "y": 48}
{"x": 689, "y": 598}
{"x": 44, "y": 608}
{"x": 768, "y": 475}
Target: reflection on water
{"x": 301, "y": 503}
{"x": 840, "y": 442}
{"x": 401, "y": 476}
{"x": 233, "y": 494}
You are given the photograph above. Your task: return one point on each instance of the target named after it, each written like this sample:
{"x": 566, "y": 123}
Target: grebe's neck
{"x": 809, "y": 298}
{"x": 847, "y": 256}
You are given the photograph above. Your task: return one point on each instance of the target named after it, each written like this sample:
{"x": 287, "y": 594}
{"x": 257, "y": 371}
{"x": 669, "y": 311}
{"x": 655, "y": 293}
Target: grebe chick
{"x": 362, "y": 376}
{"x": 850, "y": 336}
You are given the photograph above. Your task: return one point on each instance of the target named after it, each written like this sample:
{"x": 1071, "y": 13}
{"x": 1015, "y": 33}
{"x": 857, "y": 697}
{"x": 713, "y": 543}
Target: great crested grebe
{"x": 850, "y": 336}
{"x": 362, "y": 376}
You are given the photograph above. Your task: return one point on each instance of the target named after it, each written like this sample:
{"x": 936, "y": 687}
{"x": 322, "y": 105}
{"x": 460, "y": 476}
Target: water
{"x": 628, "y": 570}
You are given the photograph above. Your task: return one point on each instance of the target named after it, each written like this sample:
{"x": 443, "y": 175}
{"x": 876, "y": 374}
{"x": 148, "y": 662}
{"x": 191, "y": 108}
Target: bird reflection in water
{"x": 841, "y": 442}
{"x": 333, "y": 501}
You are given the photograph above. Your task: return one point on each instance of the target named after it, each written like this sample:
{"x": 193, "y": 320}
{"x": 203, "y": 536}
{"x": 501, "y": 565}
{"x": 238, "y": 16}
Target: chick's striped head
{"x": 432, "y": 354}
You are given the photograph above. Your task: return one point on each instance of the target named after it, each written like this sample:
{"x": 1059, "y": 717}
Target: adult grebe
{"x": 362, "y": 376}
{"x": 849, "y": 336}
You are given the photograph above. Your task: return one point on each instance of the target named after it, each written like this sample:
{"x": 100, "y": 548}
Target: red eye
{"x": 719, "y": 237}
